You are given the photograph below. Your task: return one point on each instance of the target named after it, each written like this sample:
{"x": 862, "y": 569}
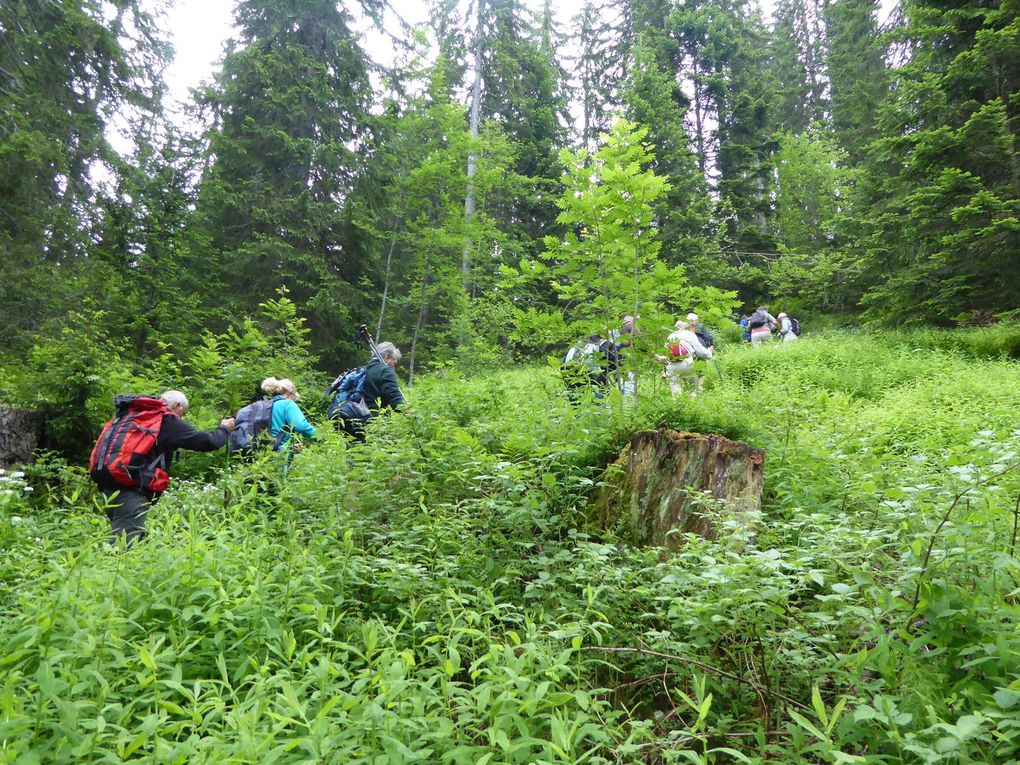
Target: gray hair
{"x": 174, "y": 398}
{"x": 389, "y": 351}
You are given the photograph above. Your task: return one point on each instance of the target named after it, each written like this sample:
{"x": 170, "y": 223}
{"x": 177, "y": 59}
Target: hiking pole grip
{"x": 363, "y": 332}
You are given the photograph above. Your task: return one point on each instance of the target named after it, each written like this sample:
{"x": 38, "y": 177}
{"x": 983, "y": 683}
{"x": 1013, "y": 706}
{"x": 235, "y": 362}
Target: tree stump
{"x": 20, "y": 433}
{"x": 668, "y": 482}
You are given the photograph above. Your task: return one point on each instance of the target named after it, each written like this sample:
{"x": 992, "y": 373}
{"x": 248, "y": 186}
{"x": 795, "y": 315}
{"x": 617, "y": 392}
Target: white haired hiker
{"x": 684, "y": 349}
{"x": 131, "y": 460}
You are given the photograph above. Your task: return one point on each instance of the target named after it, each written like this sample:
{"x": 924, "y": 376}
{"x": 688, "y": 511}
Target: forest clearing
{"x": 439, "y": 595}
{"x": 687, "y": 427}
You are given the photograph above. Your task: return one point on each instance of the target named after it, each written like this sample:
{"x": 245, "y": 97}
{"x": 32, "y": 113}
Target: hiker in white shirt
{"x": 683, "y": 349}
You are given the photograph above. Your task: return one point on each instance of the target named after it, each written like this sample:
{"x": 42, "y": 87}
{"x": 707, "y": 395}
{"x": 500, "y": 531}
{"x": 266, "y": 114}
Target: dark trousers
{"x": 127, "y": 510}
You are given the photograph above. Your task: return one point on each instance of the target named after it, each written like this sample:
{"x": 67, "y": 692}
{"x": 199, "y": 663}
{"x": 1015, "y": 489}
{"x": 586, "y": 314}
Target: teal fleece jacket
{"x": 288, "y": 420}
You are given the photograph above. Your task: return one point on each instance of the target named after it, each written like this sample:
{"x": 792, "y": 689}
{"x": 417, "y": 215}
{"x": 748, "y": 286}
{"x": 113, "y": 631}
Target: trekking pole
{"x": 363, "y": 333}
{"x": 717, "y": 367}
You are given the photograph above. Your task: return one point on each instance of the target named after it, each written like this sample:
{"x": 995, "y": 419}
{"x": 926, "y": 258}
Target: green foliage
{"x": 943, "y": 202}
{"x": 438, "y": 593}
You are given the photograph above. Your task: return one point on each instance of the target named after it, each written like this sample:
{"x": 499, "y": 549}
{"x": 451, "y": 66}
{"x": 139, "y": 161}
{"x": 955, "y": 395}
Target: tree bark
{"x": 668, "y": 484}
{"x": 21, "y": 431}
{"x": 472, "y": 165}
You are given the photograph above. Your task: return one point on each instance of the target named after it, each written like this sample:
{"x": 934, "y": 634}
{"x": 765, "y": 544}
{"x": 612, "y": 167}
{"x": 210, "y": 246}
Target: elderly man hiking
{"x": 131, "y": 460}
{"x": 362, "y": 393}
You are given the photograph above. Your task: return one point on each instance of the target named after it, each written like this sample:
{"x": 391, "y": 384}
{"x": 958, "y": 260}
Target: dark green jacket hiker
{"x": 382, "y": 390}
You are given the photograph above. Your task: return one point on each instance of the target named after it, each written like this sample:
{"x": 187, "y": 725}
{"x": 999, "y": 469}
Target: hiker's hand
{"x": 228, "y": 423}
{"x": 298, "y": 446}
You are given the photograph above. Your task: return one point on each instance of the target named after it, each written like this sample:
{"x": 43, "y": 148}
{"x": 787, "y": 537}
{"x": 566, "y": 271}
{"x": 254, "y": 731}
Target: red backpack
{"x": 123, "y": 449}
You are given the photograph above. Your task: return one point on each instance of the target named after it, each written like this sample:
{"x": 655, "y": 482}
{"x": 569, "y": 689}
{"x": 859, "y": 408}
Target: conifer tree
{"x": 289, "y": 110}
{"x": 944, "y": 180}
{"x": 65, "y": 69}
{"x": 798, "y": 64}
{"x": 858, "y": 78}
{"x": 523, "y": 93}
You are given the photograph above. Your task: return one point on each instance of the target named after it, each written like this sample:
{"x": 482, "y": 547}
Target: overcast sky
{"x": 199, "y": 28}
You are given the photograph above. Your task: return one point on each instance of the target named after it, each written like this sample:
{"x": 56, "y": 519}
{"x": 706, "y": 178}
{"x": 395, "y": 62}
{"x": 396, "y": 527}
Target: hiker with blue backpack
{"x": 360, "y": 394}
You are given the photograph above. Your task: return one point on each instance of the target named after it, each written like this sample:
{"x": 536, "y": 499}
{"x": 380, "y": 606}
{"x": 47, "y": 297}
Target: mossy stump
{"x": 20, "y": 435}
{"x": 668, "y": 483}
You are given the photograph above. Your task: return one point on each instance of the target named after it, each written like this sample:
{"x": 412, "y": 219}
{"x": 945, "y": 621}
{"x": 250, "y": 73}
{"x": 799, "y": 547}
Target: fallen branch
{"x": 705, "y": 668}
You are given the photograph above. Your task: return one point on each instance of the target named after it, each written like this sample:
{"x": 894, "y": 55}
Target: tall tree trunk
{"x": 472, "y": 165}
{"x": 386, "y": 285}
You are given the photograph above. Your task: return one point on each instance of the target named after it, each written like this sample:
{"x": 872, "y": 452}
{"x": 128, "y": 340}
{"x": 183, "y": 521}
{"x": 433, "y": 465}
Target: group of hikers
{"x": 594, "y": 366}
{"x": 130, "y": 461}
{"x": 761, "y": 327}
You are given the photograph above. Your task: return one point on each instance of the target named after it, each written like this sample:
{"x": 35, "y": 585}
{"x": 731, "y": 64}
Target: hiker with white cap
{"x": 788, "y": 328}
{"x": 701, "y": 331}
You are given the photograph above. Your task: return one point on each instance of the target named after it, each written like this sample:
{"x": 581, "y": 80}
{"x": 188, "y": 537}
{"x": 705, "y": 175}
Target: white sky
{"x": 198, "y": 30}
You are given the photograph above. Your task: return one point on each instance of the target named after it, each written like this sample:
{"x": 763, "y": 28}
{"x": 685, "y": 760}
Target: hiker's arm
{"x": 178, "y": 434}
{"x": 699, "y": 350}
{"x": 390, "y": 394}
{"x": 298, "y": 423}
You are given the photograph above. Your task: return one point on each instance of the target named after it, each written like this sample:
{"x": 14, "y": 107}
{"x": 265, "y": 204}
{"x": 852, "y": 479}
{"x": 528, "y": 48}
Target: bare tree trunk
{"x": 472, "y": 166}
{"x": 386, "y": 286}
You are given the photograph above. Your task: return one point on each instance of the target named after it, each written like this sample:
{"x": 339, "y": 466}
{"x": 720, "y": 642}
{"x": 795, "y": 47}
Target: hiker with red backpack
{"x": 684, "y": 348}
{"x": 131, "y": 460}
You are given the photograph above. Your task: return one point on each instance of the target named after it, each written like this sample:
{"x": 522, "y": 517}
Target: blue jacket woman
{"x": 288, "y": 420}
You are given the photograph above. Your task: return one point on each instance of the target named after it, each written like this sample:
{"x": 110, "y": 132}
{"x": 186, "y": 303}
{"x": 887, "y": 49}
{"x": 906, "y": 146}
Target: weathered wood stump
{"x": 20, "y": 433}
{"x": 668, "y": 482}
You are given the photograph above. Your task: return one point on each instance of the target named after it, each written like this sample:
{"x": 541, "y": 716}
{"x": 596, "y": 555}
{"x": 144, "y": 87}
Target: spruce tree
{"x": 944, "y": 180}
{"x": 858, "y": 77}
{"x": 65, "y": 69}
{"x": 289, "y": 111}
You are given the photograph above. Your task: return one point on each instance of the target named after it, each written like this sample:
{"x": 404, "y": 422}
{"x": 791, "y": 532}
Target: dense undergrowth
{"x": 439, "y": 596}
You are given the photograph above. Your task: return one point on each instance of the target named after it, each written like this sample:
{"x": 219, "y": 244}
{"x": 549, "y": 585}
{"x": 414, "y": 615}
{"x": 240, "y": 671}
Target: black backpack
{"x": 251, "y": 427}
{"x": 794, "y": 325}
{"x": 758, "y": 319}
